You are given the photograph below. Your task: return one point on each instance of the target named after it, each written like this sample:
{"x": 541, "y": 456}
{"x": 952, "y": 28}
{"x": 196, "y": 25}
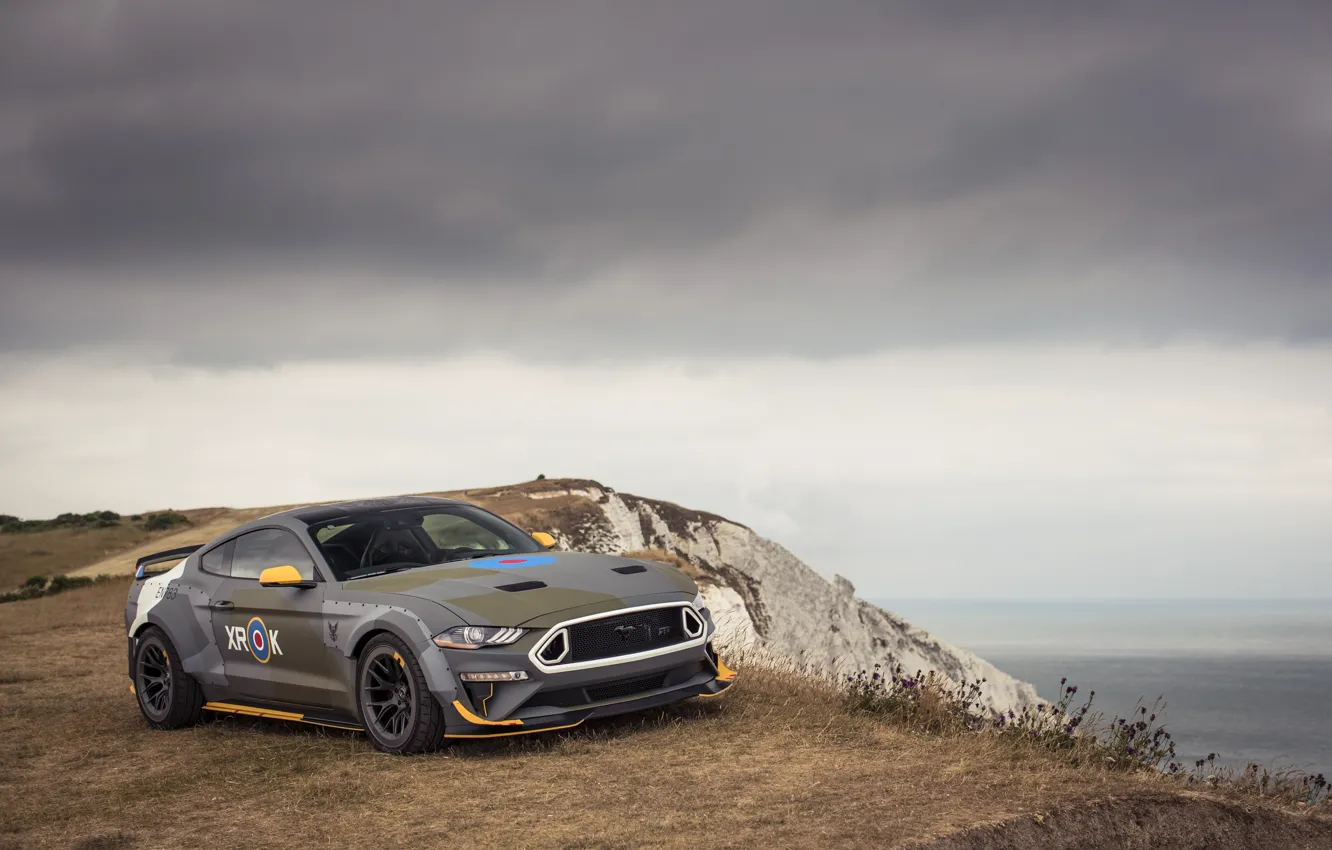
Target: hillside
{"x": 763, "y": 598}
{"x": 777, "y": 762}
{"x": 782, "y": 760}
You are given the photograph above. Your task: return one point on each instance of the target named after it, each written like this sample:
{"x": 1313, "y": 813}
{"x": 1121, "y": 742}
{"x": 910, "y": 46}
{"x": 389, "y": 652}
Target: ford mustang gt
{"x": 415, "y": 619}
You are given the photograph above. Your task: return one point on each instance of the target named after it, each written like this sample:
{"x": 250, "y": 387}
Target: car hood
{"x": 525, "y": 589}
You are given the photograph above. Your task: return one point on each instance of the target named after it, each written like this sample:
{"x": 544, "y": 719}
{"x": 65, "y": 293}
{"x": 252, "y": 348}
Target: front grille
{"x": 637, "y": 631}
{"x": 615, "y": 690}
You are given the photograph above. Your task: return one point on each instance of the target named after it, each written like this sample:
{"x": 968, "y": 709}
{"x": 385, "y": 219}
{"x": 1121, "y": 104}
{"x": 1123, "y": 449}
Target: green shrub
{"x": 923, "y": 702}
{"x": 95, "y": 519}
{"x": 59, "y": 583}
{"x": 164, "y": 520}
{"x": 27, "y": 591}
{"x": 39, "y": 586}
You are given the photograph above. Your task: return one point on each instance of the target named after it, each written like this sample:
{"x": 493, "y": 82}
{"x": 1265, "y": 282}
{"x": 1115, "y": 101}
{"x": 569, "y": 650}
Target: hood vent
{"x": 629, "y": 569}
{"x": 518, "y": 587}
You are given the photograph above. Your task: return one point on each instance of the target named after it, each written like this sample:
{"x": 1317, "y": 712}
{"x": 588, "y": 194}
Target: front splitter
{"x": 554, "y": 722}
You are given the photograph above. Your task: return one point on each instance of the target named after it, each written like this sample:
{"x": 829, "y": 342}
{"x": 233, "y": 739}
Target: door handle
{"x": 221, "y": 605}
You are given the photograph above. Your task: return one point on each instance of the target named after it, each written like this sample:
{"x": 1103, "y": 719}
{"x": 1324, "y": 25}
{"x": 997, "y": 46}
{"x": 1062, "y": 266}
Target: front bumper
{"x": 561, "y": 702}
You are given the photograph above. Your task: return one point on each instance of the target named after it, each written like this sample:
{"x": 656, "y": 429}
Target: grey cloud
{"x": 243, "y": 181}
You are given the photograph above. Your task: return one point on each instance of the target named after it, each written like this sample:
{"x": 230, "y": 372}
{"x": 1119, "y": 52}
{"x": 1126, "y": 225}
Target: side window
{"x": 217, "y": 560}
{"x": 269, "y": 547}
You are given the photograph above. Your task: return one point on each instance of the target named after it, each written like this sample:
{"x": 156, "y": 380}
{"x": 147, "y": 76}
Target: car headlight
{"x": 475, "y": 637}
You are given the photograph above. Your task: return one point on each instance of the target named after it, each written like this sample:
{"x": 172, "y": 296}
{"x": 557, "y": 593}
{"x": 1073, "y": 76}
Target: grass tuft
{"x": 925, "y": 702}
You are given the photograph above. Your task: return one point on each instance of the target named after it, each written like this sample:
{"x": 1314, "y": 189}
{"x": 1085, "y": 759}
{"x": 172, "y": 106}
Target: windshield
{"x": 403, "y": 538}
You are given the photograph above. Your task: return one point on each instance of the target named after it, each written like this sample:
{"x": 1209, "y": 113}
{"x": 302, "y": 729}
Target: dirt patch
{"x": 1159, "y": 822}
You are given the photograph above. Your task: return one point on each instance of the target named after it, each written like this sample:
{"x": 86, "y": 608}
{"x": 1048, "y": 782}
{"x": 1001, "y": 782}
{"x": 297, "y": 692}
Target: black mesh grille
{"x": 562, "y": 698}
{"x": 626, "y": 688}
{"x": 623, "y": 634}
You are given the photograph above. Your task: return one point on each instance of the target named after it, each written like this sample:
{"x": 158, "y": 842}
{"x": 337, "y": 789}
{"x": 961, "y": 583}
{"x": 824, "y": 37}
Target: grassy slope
{"x": 82, "y": 550}
{"x": 776, "y": 761}
{"x": 754, "y": 766}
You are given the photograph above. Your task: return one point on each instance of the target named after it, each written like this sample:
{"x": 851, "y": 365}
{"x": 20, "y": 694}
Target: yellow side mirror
{"x": 544, "y": 539}
{"x": 285, "y": 576}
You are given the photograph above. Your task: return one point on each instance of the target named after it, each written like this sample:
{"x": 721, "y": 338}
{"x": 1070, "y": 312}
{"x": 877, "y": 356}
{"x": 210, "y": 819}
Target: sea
{"x": 1250, "y": 681}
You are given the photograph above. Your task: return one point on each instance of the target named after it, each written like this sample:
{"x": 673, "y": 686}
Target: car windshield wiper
{"x": 480, "y": 553}
{"x": 385, "y": 572}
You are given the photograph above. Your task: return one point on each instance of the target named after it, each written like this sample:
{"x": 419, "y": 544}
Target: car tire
{"x": 168, "y": 697}
{"x": 399, "y": 713}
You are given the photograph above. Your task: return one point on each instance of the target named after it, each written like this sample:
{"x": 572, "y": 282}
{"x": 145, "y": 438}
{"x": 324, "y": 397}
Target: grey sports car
{"x": 416, "y": 619}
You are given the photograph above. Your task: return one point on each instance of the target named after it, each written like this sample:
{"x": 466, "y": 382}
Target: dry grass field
{"x": 776, "y": 762}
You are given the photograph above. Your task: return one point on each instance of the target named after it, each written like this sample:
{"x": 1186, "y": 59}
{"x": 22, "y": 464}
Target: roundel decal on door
{"x": 258, "y": 640}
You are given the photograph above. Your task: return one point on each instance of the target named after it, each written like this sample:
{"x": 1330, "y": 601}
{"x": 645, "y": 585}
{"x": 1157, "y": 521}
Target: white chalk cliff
{"x": 763, "y": 597}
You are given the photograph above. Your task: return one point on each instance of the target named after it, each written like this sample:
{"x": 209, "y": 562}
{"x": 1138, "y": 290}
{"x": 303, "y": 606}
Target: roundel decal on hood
{"x": 514, "y": 562}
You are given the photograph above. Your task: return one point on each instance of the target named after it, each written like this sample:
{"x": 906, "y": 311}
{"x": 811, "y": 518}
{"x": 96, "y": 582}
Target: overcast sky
{"x": 976, "y": 299}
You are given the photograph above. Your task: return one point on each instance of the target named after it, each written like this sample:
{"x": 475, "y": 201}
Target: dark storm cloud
{"x": 249, "y": 181}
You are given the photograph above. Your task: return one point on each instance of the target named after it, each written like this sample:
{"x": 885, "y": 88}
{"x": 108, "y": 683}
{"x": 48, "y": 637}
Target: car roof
{"x": 311, "y": 514}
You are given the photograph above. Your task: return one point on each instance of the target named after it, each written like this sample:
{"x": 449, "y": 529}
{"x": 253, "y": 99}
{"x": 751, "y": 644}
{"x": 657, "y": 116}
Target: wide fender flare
{"x": 411, "y": 630}
{"x": 175, "y": 616}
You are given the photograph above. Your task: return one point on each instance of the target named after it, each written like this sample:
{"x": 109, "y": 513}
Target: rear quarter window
{"x": 217, "y": 560}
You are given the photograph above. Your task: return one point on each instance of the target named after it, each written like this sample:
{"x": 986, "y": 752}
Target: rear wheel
{"x": 397, "y": 709}
{"x": 168, "y": 697}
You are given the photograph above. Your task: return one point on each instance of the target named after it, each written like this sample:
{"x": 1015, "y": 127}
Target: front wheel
{"x": 397, "y": 709}
{"x": 168, "y": 697}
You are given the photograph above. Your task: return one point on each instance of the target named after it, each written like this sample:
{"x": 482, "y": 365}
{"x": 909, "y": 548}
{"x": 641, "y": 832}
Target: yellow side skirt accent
{"x": 481, "y": 721}
{"x": 522, "y": 732}
{"x": 274, "y": 714}
{"x": 251, "y": 711}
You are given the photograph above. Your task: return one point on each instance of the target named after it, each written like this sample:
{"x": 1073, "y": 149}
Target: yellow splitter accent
{"x": 481, "y": 721}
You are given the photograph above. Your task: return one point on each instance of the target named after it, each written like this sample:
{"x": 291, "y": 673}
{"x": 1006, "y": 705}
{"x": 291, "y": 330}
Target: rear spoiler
{"x": 141, "y": 566}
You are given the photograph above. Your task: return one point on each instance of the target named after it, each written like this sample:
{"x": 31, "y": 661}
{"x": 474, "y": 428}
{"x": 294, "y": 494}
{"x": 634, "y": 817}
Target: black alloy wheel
{"x": 397, "y": 709}
{"x": 387, "y": 694}
{"x": 154, "y": 680}
{"x": 168, "y": 697}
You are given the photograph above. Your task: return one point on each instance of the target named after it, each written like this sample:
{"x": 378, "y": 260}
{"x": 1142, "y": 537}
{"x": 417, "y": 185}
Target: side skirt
{"x": 275, "y": 714}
